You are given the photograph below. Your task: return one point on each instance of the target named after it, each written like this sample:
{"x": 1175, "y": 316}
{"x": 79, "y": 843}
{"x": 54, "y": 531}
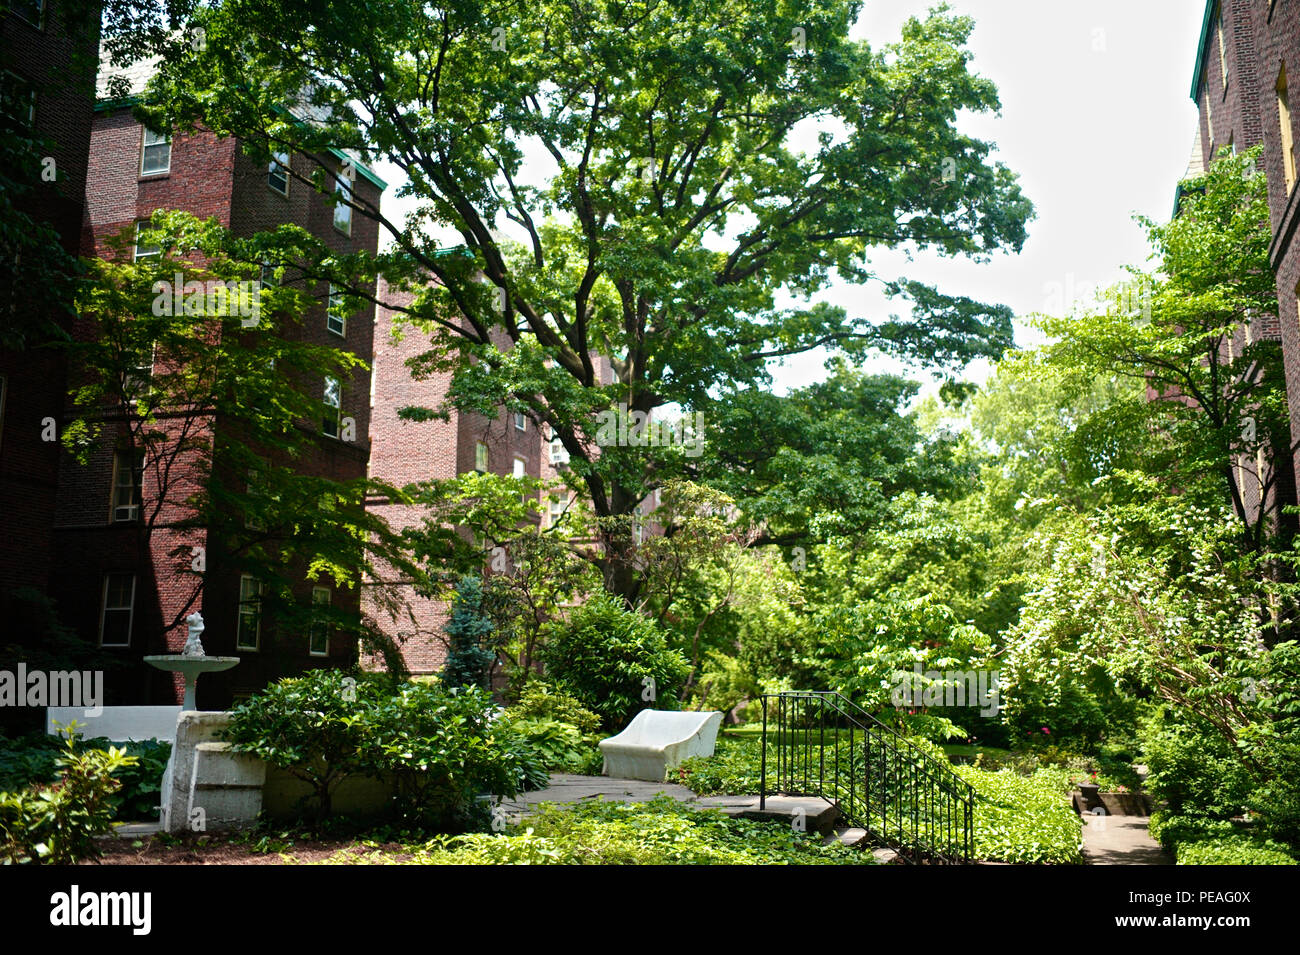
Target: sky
{"x": 1096, "y": 119}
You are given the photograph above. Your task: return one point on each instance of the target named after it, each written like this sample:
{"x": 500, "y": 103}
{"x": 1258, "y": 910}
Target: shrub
{"x": 442, "y": 749}
{"x": 34, "y": 759}
{"x": 1193, "y": 770}
{"x": 310, "y": 726}
{"x": 540, "y": 701}
{"x": 558, "y": 746}
{"x": 1201, "y": 840}
{"x": 439, "y": 746}
{"x": 614, "y": 661}
{"x": 57, "y": 823}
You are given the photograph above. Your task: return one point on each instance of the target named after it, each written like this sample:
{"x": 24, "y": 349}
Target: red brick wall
{"x": 59, "y": 64}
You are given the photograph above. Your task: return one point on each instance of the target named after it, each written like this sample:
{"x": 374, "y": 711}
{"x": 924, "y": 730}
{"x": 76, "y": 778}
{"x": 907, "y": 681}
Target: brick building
{"x": 405, "y": 452}
{"x": 47, "y": 83}
{"x": 129, "y": 600}
{"x": 1240, "y": 88}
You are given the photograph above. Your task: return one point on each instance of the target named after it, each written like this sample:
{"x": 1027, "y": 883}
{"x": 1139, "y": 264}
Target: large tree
{"x": 649, "y": 195}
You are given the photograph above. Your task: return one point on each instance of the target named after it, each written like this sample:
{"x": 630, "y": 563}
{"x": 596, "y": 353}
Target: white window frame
{"x": 334, "y": 313}
{"x": 242, "y": 611}
{"x": 20, "y": 82}
{"x": 521, "y": 421}
{"x": 136, "y": 490}
{"x": 314, "y": 628}
{"x": 104, "y": 608}
{"x": 278, "y": 168}
{"x": 337, "y": 405}
{"x": 136, "y": 254}
{"x": 343, "y": 211}
{"x": 160, "y": 139}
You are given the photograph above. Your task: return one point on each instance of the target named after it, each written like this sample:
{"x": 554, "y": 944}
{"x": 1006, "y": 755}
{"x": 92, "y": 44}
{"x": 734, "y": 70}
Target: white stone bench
{"x": 657, "y": 740}
{"x": 117, "y": 723}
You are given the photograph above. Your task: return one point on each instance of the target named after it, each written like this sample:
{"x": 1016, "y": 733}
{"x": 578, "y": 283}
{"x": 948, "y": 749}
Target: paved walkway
{"x": 1121, "y": 840}
{"x": 566, "y": 789}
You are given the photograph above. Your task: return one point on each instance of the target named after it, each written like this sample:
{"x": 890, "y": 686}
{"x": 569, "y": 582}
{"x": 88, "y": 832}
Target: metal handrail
{"x": 884, "y": 784}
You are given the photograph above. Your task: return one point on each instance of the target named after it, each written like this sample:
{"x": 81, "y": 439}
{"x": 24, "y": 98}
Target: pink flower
{"x": 1047, "y": 731}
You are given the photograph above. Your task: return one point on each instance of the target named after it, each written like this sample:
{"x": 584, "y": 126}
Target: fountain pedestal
{"x": 192, "y": 661}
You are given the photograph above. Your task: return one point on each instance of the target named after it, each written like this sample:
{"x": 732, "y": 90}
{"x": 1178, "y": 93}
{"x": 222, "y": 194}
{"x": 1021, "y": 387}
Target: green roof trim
{"x": 361, "y": 167}
{"x": 1204, "y": 45}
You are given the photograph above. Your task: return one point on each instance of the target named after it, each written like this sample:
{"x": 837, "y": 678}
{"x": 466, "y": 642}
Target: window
{"x": 249, "y": 632}
{"x": 117, "y": 610}
{"x": 1209, "y": 119}
{"x": 521, "y": 471}
{"x": 270, "y": 275}
{"x": 559, "y": 456}
{"x": 480, "y": 458}
{"x": 144, "y": 250}
{"x": 333, "y": 406}
{"x": 1288, "y": 137}
{"x": 318, "y": 639}
{"x": 128, "y": 475}
{"x": 277, "y": 173}
{"x": 33, "y": 11}
{"x": 335, "y": 319}
{"x": 155, "y": 153}
{"x": 18, "y": 99}
{"x": 343, "y": 211}
{"x": 557, "y": 504}
{"x": 521, "y": 421}
{"x": 1223, "y": 53}
{"x": 136, "y": 381}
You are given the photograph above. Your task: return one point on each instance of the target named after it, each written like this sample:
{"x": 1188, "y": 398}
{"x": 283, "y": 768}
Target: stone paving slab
{"x": 1121, "y": 840}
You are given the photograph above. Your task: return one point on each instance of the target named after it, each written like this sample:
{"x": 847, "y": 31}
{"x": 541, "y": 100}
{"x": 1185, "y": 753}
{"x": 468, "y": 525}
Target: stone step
{"x": 885, "y": 856}
{"x": 812, "y": 814}
{"x": 850, "y": 836}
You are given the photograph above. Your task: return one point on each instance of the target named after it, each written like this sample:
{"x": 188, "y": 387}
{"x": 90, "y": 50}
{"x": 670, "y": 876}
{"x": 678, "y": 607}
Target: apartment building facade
{"x": 131, "y": 603}
{"x": 1240, "y": 87}
{"x": 47, "y": 85}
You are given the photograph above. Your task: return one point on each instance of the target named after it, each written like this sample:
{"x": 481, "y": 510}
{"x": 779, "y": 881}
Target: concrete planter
{"x": 1126, "y": 804}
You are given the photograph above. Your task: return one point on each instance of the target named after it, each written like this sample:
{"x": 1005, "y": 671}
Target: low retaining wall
{"x": 209, "y": 786}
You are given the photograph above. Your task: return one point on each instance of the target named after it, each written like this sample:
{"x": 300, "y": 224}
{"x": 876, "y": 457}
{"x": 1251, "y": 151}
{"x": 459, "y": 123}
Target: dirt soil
{"x": 216, "y": 850}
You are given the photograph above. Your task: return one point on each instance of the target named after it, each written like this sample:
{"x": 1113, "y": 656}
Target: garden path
{"x": 1121, "y": 840}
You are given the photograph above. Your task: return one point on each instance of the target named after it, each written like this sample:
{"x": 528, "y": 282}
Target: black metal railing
{"x": 820, "y": 743}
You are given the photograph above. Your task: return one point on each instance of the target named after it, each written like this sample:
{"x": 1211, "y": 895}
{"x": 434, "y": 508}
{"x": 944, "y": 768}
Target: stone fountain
{"x": 191, "y": 661}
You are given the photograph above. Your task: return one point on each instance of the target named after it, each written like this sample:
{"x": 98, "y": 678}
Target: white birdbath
{"x": 191, "y": 661}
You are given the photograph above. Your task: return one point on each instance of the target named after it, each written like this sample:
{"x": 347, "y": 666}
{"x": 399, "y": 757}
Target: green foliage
{"x": 57, "y": 823}
{"x": 440, "y": 747}
{"x": 610, "y": 658}
{"x": 1197, "y": 840}
{"x": 35, "y": 759}
{"x": 659, "y": 832}
{"x": 558, "y": 746}
{"x": 672, "y": 234}
{"x": 470, "y": 656}
{"x": 1023, "y": 819}
{"x": 541, "y": 701}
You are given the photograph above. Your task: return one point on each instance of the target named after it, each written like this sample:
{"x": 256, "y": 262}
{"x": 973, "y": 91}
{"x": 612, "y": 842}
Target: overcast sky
{"x": 1096, "y": 119}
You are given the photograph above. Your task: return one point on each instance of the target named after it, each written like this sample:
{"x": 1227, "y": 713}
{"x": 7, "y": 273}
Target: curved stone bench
{"x": 657, "y": 740}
